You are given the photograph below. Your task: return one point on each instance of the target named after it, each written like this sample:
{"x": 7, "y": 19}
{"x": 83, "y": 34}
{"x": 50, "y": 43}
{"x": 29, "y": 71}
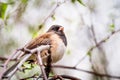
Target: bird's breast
{"x": 58, "y": 48}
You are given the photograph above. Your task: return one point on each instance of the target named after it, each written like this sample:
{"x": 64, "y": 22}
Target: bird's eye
{"x": 56, "y": 29}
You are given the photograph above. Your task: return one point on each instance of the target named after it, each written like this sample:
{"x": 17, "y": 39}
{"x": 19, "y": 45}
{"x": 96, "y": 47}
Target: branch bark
{"x": 86, "y": 71}
{"x": 41, "y": 65}
{"x": 12, "y": 72}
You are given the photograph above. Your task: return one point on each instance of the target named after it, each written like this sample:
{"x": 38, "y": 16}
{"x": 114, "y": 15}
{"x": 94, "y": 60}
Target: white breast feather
{"x": 60, "y": 50}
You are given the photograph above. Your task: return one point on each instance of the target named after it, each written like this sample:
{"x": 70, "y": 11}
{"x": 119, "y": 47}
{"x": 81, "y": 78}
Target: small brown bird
{"x": 54, "y": 37}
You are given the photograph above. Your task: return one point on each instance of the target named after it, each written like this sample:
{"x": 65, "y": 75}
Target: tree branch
{"x": 4, "y": 58}
{"x": 41, "y": 65}
{"x": 51, "y": 13}
{"x": 64, "y": 76}
{"x": 86, "y": 71}
{"x": 98, "y": 44}
{"x": 11, "y": 73}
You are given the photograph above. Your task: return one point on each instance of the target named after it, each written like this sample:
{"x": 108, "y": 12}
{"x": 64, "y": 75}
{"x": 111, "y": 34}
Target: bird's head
{"x": 60, "y": 31}
{"x": 56, "y": 28}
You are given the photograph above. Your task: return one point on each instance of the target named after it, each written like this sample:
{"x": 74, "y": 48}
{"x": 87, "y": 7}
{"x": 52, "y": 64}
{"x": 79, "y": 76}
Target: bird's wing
{"x": 40, "y": 40}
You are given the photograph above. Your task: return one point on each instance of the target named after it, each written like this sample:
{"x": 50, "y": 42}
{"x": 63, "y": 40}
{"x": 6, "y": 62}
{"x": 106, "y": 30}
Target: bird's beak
{"x": 61, "y": 29}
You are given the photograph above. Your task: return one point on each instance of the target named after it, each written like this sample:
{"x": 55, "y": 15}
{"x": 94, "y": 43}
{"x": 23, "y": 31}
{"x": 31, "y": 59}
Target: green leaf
{"x": 24, "y": 1}
{"x": 80, "y": 1}
{"x": 10, "y": 2}
{"x": 112, "y": 27}
{"x": 89, "y": 53}
{"x": 3, "y": 7}
{"x": 68, "y": 52}
{"x": 27, "y": 65}
{"x": 73, "y": 1}
{"x": 35, "y": 34}
{"x": 53, "y": 17}
{"x": 40, "y": 26}
{"x": 33, "y": 31}
{"x": 51, "y": 74}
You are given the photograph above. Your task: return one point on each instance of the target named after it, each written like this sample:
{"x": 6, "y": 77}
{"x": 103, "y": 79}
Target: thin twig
{"x": 78, "y": 69}
{"x": 90, "y": 53}
{"x": 25, "y": 58}
{"x": 93, "y": 33}
{"x": 80, "y": 60}
{"x": 5, "y": 64}
{"x": 104, "y": 40}
{"x": 64, "y": 76}
{"x": 19, "y": 65}
{"x": 34, "y": 76}
{"x": 41, "y": 65}
{"x": 53, "y": 77}
{"x": 52, "y": 12}
{"x": 86, "y": 71}
{"x": 4, "y": 58}
{"x": 97, "y": 45}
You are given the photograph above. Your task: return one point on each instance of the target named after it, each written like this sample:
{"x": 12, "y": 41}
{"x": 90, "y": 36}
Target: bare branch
{"x": 54, "y": 77}
{"x": 5, "y": 64}
{"x": 41, "y": 65}
{"x": 86, "y": 71}
{"x": 64, "y": 76}
{"x": 4, "y": 58}
{"x": 98, "y": 44}
{"x": 52, "y": 12}
{"x": 40, "y": 48}
{"x": 93, "y": 33}
{"x": 34, "y": 76}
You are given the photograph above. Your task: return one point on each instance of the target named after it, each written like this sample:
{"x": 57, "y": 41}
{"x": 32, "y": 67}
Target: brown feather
{"x": 40, "y": 40}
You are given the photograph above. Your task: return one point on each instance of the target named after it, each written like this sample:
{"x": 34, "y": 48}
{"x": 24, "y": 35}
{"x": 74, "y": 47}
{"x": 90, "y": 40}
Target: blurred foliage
{"x": 51, "y": 74}
{"x": 68, "y": 52}
{"x": 33, "y": 31}
{"x": 37, "y": 3}
{"x": 53, "y": 17}
{"x": 112, "y": 27}
{"x": 21, "y": 8}
{"x": 11, "y": 2}
{"x": 3, "y": 8}
{"x": 89, "y": 53}
{"x": 24, "y": 1}
{"x": 73, "y": 1}
{"x": 80, "y": 1}
{"x": 29, "y": 72}
{"x": 28, "y": 65}
{"x": 8, "y": 46}
{"x": 40, "y": 26}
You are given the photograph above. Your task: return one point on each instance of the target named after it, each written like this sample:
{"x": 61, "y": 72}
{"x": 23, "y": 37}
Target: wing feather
{"x": 41, "y": 40}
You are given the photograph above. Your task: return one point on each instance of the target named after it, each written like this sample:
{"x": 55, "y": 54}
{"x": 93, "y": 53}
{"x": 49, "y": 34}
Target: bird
{"x": 56, "y": 38}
